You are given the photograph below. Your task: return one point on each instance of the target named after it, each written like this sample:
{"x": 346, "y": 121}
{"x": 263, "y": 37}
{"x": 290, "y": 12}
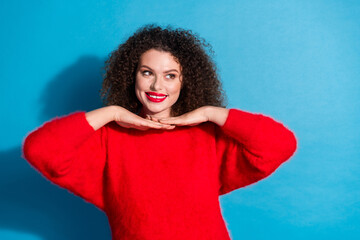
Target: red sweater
{"x": 160, "y": 184}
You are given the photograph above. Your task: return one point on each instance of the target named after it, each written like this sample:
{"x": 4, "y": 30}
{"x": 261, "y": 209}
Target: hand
{"x": 127, "y": 119}
{"x": 192, "y": 118}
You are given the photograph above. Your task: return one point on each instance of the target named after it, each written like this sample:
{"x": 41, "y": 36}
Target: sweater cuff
{"x": 240, "y": 124}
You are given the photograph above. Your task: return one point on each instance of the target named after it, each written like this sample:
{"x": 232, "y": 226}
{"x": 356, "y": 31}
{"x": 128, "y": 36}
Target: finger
{"x": 142, "y": 123}
{"x": 183, "y": 122}
{"x": 151, "y": 125}
{"x": 179, "y": 121}
{"x": 169, "y": 127}
{"x": 154, "y": 119}
{"x": 145, "y": 125}
{"x": 157, "y": 125}
{"x": 143, "y": 128}
{"x": 149, "y": 117}
{"x": 160, "y": 125}
{"x": 169, "y": 120}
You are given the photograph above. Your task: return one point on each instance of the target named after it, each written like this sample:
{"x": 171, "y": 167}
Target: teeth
{"x": 159, "y": 97}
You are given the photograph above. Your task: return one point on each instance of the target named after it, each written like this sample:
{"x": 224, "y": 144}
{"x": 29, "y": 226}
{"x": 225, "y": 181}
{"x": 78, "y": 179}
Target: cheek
{"x": 140, "y": 84}
{"x": 175, "y": 89}
{"x": 138, "y": 88}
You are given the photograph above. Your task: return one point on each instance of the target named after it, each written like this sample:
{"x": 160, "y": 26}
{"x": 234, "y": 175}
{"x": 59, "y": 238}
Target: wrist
{"x": 113, "y": 113}
{"x": 208, "y": 111}
{"x": 101, "y": 116}
{"x": 217, "y": 115}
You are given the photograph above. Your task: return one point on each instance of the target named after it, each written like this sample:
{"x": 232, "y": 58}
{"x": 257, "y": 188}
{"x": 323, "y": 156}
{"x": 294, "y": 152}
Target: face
{"x": 158, "y": 83}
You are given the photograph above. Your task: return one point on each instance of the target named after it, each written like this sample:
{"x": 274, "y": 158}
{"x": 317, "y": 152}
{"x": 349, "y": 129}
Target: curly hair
{"x": 200, "y": 87}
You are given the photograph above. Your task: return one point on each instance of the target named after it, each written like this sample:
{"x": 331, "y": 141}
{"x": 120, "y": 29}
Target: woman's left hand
{"x": 192, "y": 118}
{"x": 217, "y": 115}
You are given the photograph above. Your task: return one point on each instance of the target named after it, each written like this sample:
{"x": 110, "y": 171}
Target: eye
{"x": 171, "y": 76}
{"x": 146, "y": 73}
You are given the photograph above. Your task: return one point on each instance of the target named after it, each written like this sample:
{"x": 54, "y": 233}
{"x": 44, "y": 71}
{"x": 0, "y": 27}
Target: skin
{"x": 158, "y": 72}
{"x": 153, "y": 75}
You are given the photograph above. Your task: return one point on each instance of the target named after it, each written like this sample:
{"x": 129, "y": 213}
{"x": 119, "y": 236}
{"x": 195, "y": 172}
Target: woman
{"x": 165, "y": 182}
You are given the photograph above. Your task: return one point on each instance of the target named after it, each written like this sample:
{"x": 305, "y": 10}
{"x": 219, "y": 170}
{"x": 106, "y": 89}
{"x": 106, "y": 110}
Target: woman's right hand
{"x": 101, "y": 116}
{"x": 127, "y": 119}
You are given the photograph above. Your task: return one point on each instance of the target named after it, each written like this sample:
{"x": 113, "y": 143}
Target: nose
{"x": 156, "y": 83}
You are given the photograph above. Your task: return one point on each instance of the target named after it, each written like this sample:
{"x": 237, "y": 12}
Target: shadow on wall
{"x": 75, "y": 88}
{"x": 29, "y": 202}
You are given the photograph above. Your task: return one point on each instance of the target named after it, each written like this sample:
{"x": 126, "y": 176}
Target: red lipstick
{"x": 155, "y": 97}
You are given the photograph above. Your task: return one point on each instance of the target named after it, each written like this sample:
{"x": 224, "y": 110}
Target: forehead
{"x": 159, "y": 60}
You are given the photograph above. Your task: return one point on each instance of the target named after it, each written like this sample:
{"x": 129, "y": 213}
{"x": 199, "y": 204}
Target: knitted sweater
{"x": 160, "y": 184}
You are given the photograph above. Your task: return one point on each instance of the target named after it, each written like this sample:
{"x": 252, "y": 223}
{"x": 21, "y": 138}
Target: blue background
{"x": 297, "y": 61}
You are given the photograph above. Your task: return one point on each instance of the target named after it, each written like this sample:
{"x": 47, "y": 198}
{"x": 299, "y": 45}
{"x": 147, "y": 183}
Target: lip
{"x": 155, "y": 94}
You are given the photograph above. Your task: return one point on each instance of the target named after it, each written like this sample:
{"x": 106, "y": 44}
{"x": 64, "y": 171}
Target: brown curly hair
{"x": 200, "y": 87}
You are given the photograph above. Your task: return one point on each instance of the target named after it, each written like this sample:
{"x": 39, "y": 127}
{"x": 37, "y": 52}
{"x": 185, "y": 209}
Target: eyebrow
{"x": 164, "y": 72}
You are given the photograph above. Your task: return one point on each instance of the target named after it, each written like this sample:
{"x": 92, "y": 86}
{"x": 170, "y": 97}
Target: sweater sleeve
{"x": 250, "y": 147}
{"x": 71, "y": 154}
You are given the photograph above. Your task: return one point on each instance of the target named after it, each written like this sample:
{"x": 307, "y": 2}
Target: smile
{"x": 155, "y": 97}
